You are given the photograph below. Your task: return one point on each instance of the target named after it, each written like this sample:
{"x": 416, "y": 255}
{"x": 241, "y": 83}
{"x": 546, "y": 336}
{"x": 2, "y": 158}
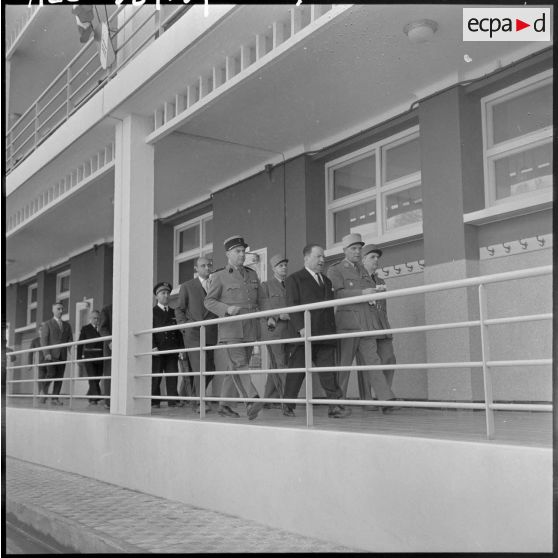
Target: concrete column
{"x": 133, "y": 265}
{"x": 450, "y": 247}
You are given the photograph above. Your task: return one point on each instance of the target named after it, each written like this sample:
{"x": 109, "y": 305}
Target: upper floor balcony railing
{"x": 486, "y": 363}
{"x": 130, "y": 32}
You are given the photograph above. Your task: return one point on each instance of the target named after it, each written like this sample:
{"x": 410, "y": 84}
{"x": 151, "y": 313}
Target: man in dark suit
{"x": 37, "y": 357}
{"x": 105, "y": 328}
{"x": 305, "y": 287}
{"x": 191, "y": 309}
{"x": 163, "y": 315}
{"x": 92, "y": 350}
{"x": 53, "y": 332}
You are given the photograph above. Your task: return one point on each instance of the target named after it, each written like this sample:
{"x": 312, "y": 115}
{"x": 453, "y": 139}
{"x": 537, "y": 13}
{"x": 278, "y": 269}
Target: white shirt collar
{"x": 313, "y": 273}
{"x": 161, "y": 306}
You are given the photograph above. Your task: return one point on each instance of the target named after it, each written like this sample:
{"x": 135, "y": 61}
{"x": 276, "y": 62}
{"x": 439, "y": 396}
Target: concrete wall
{"x": 371, "y": 492}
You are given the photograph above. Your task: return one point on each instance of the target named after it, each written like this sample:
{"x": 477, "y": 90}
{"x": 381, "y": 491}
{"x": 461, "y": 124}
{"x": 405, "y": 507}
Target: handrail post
{"x": 308, "y": 366}
{"x": 202, "y": 371}
{"x": 35, "y": 378}
{"x": 486, "y": 376}
{"x": 74, "y": 368}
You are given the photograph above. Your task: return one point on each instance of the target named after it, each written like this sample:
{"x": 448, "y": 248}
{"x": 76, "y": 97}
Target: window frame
{"x": 493, "y": 152}
{"x": 61, "y": 296}
{"x": 378, "y": 149}
{"x": 202, "y": 249}
{"x": 31, "y": 305}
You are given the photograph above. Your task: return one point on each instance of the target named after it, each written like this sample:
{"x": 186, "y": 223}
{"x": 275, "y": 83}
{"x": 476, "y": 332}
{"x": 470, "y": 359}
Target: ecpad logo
{"x": 506, "y": 24}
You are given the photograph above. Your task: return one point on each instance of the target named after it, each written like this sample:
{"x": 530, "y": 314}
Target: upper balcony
{"x": 131, "y": 30}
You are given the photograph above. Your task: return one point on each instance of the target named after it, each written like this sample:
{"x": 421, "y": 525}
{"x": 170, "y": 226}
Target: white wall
{"x": 366, "y": 491}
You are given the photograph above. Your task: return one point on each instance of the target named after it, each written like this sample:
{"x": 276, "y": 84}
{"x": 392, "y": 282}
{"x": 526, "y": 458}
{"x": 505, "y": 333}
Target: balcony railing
{"x": 84, "y": 76}
{"x": 486, "y": 363}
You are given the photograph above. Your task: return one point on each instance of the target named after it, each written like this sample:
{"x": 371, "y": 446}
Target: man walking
{"x": 191, "y": 309}
{"x": 304, "y": 287}
{"x": 105, "y": 329}
{"x": 92, "y": 350}
{"x": 275, "y": 327}
{"x": 371, "y": 261}
{"x": 53, "y": 332}
{"x": 349, "y": 279}
{"x": 235, "y": 290}
{"x": 163, "y": 315}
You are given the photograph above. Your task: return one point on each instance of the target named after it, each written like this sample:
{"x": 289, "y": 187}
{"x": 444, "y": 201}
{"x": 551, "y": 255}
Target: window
{"x": 517, "y": 138}
{"x": 63, "y": 291}
{"x": 192, "y": 240}
{"x": 32, "y": 304}
{"x": 376, "y": 191}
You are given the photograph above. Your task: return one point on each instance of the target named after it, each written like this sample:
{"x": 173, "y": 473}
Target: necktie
{"x": 204, "y": 285}
{"x": 283, "y": 284}
{"x": 320, "y": 281}
{"x": 166, "y": 308}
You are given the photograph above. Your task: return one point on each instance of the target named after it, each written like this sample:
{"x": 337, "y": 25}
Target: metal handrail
{"x": 486, "y": 363}
{"x": 12, "y": 159}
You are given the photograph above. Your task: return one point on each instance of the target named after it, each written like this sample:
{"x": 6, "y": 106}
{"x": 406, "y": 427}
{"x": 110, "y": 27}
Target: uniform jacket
{"x": 166, "y": 340}
{"x": 381, "y": 310}
{"x": 274, "y": 296}
{"x": 51, "y": 334}
{"x": 105, "y": 327}
{"x": 91, "y": 350}
{"x": 302, "y": 288}
{"x": 192, "y": 309}
{"x": 227, "y": 287}
{"x": 349, "y": 280}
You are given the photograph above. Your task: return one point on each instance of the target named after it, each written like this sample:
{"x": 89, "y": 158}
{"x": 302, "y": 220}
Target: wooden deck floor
{"x": 511, "y": 427}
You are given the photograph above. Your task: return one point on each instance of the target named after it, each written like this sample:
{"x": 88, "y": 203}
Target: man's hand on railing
{"x": 48, "y": 357}
{"x": 284, "y": 317}
{"x": 301, "y": 332}
{"x": 233, "y": 310}
{"x": 271, "y": 323}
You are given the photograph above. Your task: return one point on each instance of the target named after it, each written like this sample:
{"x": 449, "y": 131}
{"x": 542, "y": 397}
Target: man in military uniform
{"x": 275, "y": 327}
{"x": 349, "y": 278}
{"x": 163, "y": 315}
{"x": 235, "y": 290}
{"x": 371, "y": 261}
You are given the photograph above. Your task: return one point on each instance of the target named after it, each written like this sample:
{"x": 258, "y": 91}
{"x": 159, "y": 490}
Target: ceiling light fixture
{"x": 421, "y": 30}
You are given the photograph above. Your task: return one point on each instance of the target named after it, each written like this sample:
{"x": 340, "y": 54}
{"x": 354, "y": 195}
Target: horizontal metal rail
{"x": 487, "y": 363}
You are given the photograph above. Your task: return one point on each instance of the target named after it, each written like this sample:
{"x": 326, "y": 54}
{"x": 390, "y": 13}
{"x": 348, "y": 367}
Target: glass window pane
{"x": 524, "y": 172}
{"x": 32, "y": 315}
{"x": 186, "y": 270}
{"x": 208, "y": 231}
{"x": 188, "y": 239}
{"x": 523, "y": 114}
{"x": 64, "y": 283}
{"x": 355, "y": 177}
{"x": 403, "y": 208}
{"x": 402, "y": 160}
{"x": 359, "y": 219}
{"x": 32, "y": 294}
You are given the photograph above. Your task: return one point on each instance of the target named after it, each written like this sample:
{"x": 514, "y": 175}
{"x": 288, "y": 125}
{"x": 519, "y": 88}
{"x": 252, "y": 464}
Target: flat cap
{"x": 162, "y": 286}
{"x": 233, "y": 242}
{"x": 350, "y": 239}
{"x": 277, "y": 259}
{"x": 371, "y": 248}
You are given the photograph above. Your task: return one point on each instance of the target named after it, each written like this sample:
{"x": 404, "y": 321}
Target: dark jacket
{"x": 51, "y": 334}
{"x": 191, "y": 308}
{"x": 91, "y": 350}
{"x": 32, "y": 357}
{"x": 105, "y": 328}
{"x": 302, "y": 288}
{"x": 166, "y": 340}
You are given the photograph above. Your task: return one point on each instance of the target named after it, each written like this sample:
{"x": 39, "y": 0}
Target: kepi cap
{"x": 277, "y": 259}
{"x": 162, "y": 286}
{"x": 233, "y": 242}
{"x": 371, "y": 248}
{"x": 350, "y": 239}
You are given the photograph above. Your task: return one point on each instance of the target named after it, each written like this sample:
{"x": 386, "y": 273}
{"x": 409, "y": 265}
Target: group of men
{"x": 236, "y": 290}
{"x": 52, "y": 361}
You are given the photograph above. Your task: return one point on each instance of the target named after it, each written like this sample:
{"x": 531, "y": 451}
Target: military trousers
{"x": 238, "y": 358}
{"x": 387, "y": 356}
{"x": 275, "y": 385}
{"x": 366, "y": 351}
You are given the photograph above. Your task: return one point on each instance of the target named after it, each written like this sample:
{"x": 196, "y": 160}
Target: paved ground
{"x": 92, "y": 516}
